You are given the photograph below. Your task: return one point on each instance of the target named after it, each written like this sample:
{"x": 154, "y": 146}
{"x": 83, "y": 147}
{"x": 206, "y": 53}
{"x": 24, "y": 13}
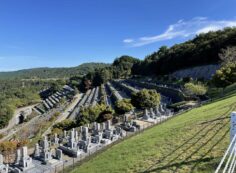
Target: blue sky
{"x": 58, "y": 33}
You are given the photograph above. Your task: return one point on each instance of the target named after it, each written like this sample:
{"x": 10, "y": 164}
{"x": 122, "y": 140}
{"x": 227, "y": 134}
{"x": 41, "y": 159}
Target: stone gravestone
{"x": 1, "y": 159}
{"x": 59, "y": 154}
{"x": 46, "y": 154}
{"x": 37, "y": 150}
{"x": 23, "y": 159}
{"x": 84, "y": 133}
{"x": 108, "y": 124}
{"x": 103, "y": 126}
{"x": 152, "y": 112}
{"x": 56, "y": 139}
{"x": 161, "y": 109}
{"x": 76, "y": 136}
{"x": 72, "y": 141}
{"x": 18, "y": 156}
{"x": 125, "y": 118}
{"x": 146, "y": 115}
{"x": 157, "y": 111}
{"x": 65, "y": 134}
{"x": 3, "y": 168}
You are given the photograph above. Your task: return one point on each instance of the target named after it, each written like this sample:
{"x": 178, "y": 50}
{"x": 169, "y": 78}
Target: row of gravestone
{"x": 73, "y": 144}
{"x": 91, "y": 97}
{"x": 114, "y": 92}
{"x": 91, "y": 136}
{"x": 157, "y": 112}
{"x": 24, "y": 163}
{"x": 128, "y": 88}
{"x": 52, "y": 101}
{"x": 104, "y": 95}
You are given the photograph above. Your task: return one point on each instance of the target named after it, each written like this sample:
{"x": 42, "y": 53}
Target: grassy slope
{"x": 191, "y": 142}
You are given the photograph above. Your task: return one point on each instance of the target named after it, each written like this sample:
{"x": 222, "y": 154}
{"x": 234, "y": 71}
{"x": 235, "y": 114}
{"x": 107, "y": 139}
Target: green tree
{"x": 93, "y": 113}
{"x": 122, "y": 66}
{"x": 203, "y": 49}
{"x": 228, "y": 55}
{"x": 56, "y": 87}
{"x": 225, "y": 76}
{"x": 65, "y": 125}
{"x": 105, "y": 115}
{"x": 123, "y": 106}
{"x": 145, "y": 99}
{"x": 195, "y": 89}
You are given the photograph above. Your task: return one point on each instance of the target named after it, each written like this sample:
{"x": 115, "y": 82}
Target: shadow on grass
{"x": 199, "y": 133}
{"x": 204, "y": 144}
{"x": 178, "y": 164}
{"x": 216, "y": 143}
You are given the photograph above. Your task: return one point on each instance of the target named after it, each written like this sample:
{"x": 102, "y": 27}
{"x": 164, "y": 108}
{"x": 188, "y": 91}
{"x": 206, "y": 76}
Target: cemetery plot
{"x": 115, "y": 95}
{"x": 53, "y": 100}
{"x": 77, "y": 143}
{"x": 193, "y": 142}
{"x": 109, "y": 96}
{"x": 125, "y": 87}
{"x": 80, "y": 143}
{"x": 165, "y": 98}
{"x": 89, "y": 138}
{"x": 104, "y": 97}
{"x": 90, "y": 98}
{"x": 121, "y": 90}
{"x": 132, "y": 122}
{"x": 95, "y": 98}
{"x": 76, "y": 109}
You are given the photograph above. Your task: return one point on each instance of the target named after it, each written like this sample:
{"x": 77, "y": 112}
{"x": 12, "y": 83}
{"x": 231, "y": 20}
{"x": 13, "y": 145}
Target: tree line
{"x": 204, "y": 49}
{"x": 46, "y": 73}
{"x": 120, "y": 68}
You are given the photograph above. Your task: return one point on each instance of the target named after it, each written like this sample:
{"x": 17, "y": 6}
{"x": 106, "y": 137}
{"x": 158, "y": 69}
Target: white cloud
{"x": 208, "y": 29}
{"x": 183, "y": 29}
{"x": 128, "y": 40}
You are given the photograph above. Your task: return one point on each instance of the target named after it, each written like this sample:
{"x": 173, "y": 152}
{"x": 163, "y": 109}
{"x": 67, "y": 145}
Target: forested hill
{"x": 204, "y": 49}
{"x": 45, "y": 73}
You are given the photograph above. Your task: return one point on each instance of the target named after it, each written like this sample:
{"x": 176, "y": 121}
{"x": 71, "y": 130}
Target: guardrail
{"x": 228, "y": 162}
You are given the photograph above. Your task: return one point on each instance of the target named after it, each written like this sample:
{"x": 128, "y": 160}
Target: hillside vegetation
{"x": 192, "y": 142}
{"x": 203, "y": 49}
{"x": 15, "y": 94}
{"x": 44, "y": 73}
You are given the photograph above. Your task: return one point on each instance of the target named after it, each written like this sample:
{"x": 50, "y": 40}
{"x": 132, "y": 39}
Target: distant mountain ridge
{"x": 47, "y": 72}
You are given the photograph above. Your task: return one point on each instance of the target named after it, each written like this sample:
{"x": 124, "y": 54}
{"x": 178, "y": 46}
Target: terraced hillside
{"x": 192, "y": 142}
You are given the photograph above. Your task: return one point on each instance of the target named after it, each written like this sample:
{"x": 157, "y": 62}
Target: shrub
{"x": 92, "y": 114}
{"x": 123, "y": 106}
{"x": 195, "y": 89}
{"x": 145, "y": 99}
{"x": 65, "y": 125}
{"x": 225, "y": 76}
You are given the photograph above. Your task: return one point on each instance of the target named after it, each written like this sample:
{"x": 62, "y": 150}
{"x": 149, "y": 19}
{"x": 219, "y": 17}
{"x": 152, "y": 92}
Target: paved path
{"x": 13, "y": 128}
{"x": 68, "y": 110}
{"x": 66, "y": 113}
{"x": 12, "y": 122}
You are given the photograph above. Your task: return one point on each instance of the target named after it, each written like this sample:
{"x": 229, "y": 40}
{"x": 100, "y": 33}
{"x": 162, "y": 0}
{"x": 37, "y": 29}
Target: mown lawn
{"x": 192, "y": 142}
